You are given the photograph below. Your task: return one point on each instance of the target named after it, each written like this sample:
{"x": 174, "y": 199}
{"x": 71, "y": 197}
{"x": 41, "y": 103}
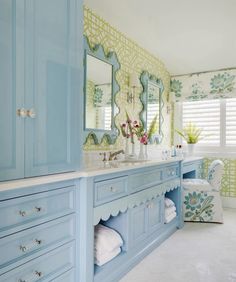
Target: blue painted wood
{"x": 48, "y": 79}
{"x": 108, "y": 190}
{"x": 143, "y": 222}
{"x": 28, "y": 244}
{"x": 24, "y": 212}
{"x": 51, "y": 90}
{"x": 155, "y": 216}
{"x": 145, "y": 78}
{"x": 46, "y": 267}
{"x": 138, "y": 224}
{"x": 69, "y": 276}
{"x": 98, "y": 52}
{"x": 11, "y": 90}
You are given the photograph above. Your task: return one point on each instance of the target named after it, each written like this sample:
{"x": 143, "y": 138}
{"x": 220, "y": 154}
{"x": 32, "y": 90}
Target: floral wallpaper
{"x": 207, "y": 85}
{"x": 133, "y": 59}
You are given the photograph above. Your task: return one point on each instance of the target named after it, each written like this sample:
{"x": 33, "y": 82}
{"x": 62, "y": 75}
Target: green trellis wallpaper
{"x": 133, "y": 59}
{"x": 229, "y": 177}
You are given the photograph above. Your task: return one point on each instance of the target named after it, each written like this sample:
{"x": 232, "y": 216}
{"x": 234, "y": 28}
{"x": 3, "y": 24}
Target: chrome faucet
{"x": 111, "y": 155}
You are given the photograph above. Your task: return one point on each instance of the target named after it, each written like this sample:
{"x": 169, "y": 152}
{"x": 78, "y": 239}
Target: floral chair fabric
{"x": 201, "y": 198}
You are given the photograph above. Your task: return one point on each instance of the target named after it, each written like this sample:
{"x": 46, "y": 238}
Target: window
{"x": 230, "y": 134}
{"x": 217, "y": 118}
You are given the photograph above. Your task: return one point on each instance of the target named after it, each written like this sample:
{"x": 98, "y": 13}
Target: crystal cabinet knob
{"x": 31, "y": 113}
{"x": 21, "y": 112}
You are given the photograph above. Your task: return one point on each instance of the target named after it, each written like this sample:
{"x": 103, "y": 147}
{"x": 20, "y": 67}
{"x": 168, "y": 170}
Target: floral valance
{"x": 204, "y": 86}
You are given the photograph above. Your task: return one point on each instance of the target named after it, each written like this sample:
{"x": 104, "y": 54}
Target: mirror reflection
{"x": 151, "y": 98}
{"x": 98, "y": 94}
{"x": 153, "y": 103}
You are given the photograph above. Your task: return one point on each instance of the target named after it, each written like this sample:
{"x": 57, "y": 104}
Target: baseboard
{"x": 229, "y": 202}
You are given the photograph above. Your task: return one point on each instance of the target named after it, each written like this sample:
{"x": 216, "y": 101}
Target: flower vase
{"x": 191, "y": 149}
{"x": 133, "y": 156}
{"x": 141, "y": 152}
{"x": 146, "y": 152}
{"x": 126, "y": 148}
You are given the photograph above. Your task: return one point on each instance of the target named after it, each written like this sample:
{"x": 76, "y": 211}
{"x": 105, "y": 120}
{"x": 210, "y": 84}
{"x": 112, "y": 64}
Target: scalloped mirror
{"x": 100, "y": 88}
{"x": 152, "y": 101}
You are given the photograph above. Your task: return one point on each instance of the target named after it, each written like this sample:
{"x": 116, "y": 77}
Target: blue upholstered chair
{"x": 201, "y": 197}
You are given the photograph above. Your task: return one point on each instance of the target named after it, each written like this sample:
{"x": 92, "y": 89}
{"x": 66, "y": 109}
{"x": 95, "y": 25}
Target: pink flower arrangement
{"x": 129, "y": 129}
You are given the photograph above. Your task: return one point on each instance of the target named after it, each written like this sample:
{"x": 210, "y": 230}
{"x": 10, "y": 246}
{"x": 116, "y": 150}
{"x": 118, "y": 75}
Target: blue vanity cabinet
{"x": 38, "y": 233}
{"x": 138, "y": 224}
{"x": 146, "y": 219}
{"x": 155, "y": 218}
{"x": 41, "y": 49}
{"x": 192, "y": 167}
{"x": 11, "y": 90}
{"x": 136, "y": 213}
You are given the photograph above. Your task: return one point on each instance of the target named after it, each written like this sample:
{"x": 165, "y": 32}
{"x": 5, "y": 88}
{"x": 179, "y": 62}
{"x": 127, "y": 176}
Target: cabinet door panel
{"x": 138, "y": 226}
{"x": 155, "y": 209}
{"x": 51, "y": 70}
{"x": 11, "y": 90}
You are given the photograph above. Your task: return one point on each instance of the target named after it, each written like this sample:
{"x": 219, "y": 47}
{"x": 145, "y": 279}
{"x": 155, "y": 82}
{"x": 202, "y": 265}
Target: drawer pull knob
{"x": 112, "y": 189}
{"x": 31, "y": 113}
{"x": 32, "y": 277}
{"x": 30, "y": 246}
{"x": 21, "y": 112}
{"x": 24, "y": 213}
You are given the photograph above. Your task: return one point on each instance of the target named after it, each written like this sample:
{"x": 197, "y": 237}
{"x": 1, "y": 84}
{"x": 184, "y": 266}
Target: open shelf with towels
{"x": 172, "y": 205}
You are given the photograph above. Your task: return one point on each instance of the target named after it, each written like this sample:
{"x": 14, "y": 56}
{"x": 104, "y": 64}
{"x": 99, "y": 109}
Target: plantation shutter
{"x": 230, "y": 137}
{"x": 205, "y": 115}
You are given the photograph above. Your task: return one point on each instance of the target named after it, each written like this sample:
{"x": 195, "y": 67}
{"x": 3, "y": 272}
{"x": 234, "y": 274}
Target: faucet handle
{"x": 104, "y": 154}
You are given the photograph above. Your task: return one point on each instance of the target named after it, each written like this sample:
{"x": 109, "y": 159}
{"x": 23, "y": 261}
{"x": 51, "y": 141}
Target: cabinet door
{"x": 11, "y": 89}
{"x": 138, "y": 226}
{"x": 155, "y": 209}
{"x": 53, "y": 72}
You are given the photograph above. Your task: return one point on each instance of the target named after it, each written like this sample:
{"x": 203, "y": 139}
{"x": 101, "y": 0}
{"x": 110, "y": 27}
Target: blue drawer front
{"x": 69, "y": 276}
{"x": 171, "y": 172}
{"x": 144, "y": 180}
{"x": 24, "y": 212}
{"x": 35, "y": 241}
{"x": 106, "y": 191}
{"x": 45, "y": 268}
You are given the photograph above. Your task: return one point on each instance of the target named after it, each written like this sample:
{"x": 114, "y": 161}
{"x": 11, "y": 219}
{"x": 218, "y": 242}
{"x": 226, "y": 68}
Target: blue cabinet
{"x": 146, "y": 219}
{"x": 41, "y": 85}
{"x": 38, "y": 233}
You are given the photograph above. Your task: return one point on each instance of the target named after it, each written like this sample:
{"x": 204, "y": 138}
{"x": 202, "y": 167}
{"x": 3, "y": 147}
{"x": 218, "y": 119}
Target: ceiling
{"x": 187, "y": 35}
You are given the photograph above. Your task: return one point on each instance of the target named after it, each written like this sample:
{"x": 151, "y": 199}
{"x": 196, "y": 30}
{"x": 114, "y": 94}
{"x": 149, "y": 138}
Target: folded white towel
{"x": 169, "y": 203}
{"x": 106, "y": 239}
{"x": 105, "y": 257}
{"x": 170, "y": 217}
{"x": 169, "y": 210}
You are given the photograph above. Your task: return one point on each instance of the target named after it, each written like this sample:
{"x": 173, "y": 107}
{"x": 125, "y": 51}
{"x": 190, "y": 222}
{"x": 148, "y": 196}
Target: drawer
{"x": 24, "y": 212}
{"x": 108, "y": 190}
{"x": 189, "y": 167}
{"x": 69, "y": 276}
{"x": 171, "y": 172}
{"x": 35, "y": 241}
{"x": 144, "y": 180}
{"x": 45, "y": 268}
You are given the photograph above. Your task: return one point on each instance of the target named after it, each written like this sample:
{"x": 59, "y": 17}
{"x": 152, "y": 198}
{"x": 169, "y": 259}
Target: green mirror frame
{"x": 145, "y": 78}
{"x": 111, "y": 58}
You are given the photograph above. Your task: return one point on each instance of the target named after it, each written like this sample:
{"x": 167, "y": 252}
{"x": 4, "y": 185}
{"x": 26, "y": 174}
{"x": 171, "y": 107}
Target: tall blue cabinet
{"x": 41, "y": 92}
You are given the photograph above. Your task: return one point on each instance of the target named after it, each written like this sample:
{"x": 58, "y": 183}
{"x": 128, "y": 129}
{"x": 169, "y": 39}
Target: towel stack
{"x": 107, "y": 244}
{"x": 170, "y": 210}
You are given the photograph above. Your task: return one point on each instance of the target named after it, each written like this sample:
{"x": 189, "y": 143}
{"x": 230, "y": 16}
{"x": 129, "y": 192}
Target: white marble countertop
{"x": 100, "y": 169}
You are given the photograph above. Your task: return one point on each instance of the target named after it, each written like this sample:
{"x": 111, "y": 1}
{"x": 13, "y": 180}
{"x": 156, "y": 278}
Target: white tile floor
{"x": 200, "y": 252}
